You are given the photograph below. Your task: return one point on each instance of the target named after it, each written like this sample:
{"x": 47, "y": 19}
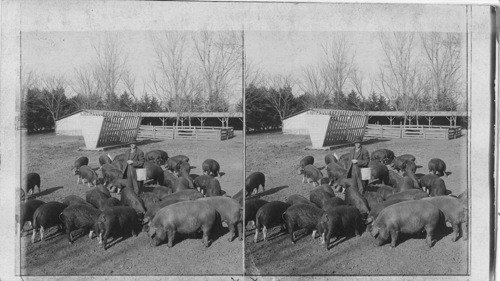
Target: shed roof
{"x": 384, "y": 113}
{"x": 155, "y": 114}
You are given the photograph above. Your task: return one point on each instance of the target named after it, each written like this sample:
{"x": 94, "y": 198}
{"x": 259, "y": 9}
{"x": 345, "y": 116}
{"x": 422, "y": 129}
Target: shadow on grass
{"x": 45, "y": 192}
{"x": 267, "y": 192}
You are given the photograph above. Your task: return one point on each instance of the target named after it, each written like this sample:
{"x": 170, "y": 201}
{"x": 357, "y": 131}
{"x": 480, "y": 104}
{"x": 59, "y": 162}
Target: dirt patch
{"x": 278, "y": 156}
{"x": 52, "y": 157}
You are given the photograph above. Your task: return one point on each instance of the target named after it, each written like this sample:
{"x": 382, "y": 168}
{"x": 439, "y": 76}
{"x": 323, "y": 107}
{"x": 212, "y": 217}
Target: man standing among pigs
{"x": 359, "y": 159}
{"x": 135, "y": 159}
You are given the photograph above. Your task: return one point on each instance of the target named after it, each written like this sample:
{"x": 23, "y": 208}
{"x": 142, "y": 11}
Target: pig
{"x": 454, "y": 212}
{"x": 335, "y": 172}
{"x": 188, "y": 194}
{"x": 116, "y": 222}
{"x": 211, "y": 167}
{"x": 410, "y": 169}
{"x": 307, "y": 160}
{"x": 297, "y": 199}
{"x": 302, "y": 216}
{"x": 169, "y": 177}
{"x": 251, "y": 208}
{"x": 213, "y": 188}
{"x": 161, "y": 191}
{"x": 398, "y": 163}
{"x": 239, "y": 197}
{"x": 110, "y": 173}
{"x": 354, "y": 198}
{"x": 373, "y": 198}
{"x": 154, "y": 172}
{"x": 183, "y": 217}
{"x": 97, "y": 199}
{"x": 180, "y": 184}
{"x": 269, "y": 215}
{"x": 149, "y": 199}
{"x": 82, "y": 161}
{"x": 317, "y": 195}
{"x": 231, "y": 212}
{"x": 310, "y": 172}
{"x": 437, "y": 166}
{"x": 384, "y": 156}
{"x": 78, "y": 216}
{"x": 329, "y": 158}
{"x": 182, "y": 171}
{"x": 332, "y": 202}
{"x": 159, "y": 157}
{"x": 172, "y": 162}
{"x": 129, "y": 198}
{"x": 45, "y": 216}
{"x": 341, "y": 220}
{"x": 119, "y": 161}
{"x": 73, "y": 199}
{"x": 400, "y": 183}
{"x": 433, "y": 185}
{"x": 103, "y": 189}
{"x": 86, "y": 174}
{"x": 411, "y": 194}
{"x": 376, "y": 209}
{"x": 26, "y": 211}
{"x": 406, "y": 217}
{"x": 253, "y": 181}
{"x": 382, "y": 189}
{"x": 153, "y": 209}
{"x": 32, "y": 180}
{"x": 379, "y": 171}
{"x": 112, "y": 201}
{"x": 345, "y": 160}
{"x": 104, "y": 159}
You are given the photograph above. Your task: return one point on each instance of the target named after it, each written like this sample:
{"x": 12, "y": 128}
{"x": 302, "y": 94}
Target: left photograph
{"x": 132, "y": 153}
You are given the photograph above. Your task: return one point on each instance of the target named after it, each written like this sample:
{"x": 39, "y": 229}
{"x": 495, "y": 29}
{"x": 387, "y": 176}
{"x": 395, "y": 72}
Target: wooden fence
{"x": 413, "y": 132}
{"x": 186, "y": 132}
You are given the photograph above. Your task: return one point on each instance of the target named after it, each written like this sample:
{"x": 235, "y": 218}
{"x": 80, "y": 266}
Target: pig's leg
{"x": 264, "y": 232}
{"x": 394, "y": 237}
{"x": 256, "y": 234}
{"x": 456, "y": 229}
{"x": 463, "y": 226}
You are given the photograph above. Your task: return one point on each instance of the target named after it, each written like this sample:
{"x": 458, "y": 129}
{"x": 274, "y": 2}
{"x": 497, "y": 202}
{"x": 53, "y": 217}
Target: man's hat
{"x": 133, "y": 141}
{"x": 358, "y": 140}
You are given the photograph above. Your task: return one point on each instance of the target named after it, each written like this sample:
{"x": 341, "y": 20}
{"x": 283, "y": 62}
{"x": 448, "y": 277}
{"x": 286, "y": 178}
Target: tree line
{"x": 190, "y": 72}
{"x": 417, "y": 72}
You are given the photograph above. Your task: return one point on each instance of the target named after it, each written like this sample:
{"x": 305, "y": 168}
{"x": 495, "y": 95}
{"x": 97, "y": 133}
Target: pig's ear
{"x": 324, "y": 218}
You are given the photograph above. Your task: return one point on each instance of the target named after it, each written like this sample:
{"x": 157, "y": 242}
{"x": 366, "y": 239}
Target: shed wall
{"x": 296, "y": 125}
{"x": 69, "y": 126}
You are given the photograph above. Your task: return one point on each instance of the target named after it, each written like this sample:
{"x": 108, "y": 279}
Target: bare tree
{"x": 129, "y": 83}
{"x": 315, "y": 86}
{"x": 110, "y": 63}
{"x": 253, "y": 75}
{"x": 87, "y": 87}
{"x": 442, "y": 53}
{"x": 338, "y": 63}
{"x": 171, "y": 78}
{"x": 52, "y": 98}
{"x": 219, "y": 57}
{"x": 280, "y": 94}
{"x": 400, "y": 77}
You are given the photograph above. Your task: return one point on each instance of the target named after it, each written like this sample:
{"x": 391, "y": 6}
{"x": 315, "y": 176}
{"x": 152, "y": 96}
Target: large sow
{"x": 302, "y": 216}
{"x": 183, "y": 217}
{"x": 406, "y": 217}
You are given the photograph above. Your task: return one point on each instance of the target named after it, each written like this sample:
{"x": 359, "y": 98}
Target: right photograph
{"x": 357, "y": 144}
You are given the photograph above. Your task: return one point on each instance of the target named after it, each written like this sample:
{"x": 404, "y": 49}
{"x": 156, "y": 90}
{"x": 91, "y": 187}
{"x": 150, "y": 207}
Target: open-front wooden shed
{"x": 335, "y": 127}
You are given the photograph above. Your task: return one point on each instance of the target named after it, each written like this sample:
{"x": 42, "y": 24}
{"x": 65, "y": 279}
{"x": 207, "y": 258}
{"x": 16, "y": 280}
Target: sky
{"x": 279, "y": 38}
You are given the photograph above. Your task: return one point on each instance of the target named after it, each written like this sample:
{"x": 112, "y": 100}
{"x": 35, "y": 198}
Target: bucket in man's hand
{"x": 366, "y": 174}
{"x": 141, "y": 174}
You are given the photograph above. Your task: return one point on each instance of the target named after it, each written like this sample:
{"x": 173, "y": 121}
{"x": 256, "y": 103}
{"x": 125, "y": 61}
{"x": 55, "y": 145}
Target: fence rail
{"x": 413, "y": 131}
{"x": 186, "y": 132}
